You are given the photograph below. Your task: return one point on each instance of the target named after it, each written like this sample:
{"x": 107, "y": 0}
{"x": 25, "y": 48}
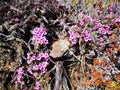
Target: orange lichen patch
{"x": 107, "y": 50}
{"x": 102, "y": 62}
{"x": 118, "y": 49}
{"x": 91, "y": 45}
{"x": 113, "y": 46}
{"x": 98, "y": 61}
{"x": 108, "y": 82}
{"x": 76, "y": 75}
{"x": 93, "y": 67}
{"x": 118, "y": 26}
{"x": 117, "y": 77}
{"x": 113, "y": 37}
{"x": 100, "y": 5}
{"x": 97, "y": 83}
{"x": 86, "y": 83}
{"x": 96, "y": 75}
{"x": 74, "y": 84}
{"x": 110, "y": 49}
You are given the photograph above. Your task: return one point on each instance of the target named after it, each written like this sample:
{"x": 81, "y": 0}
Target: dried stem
{"x": 58, "y": 75}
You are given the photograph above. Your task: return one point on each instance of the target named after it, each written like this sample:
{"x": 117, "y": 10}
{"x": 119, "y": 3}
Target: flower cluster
{"x": 96, "y": 26}
{"x": 37, "y": 86}
{"x": 93, "y": 25}
{"x": 86, "y": 36}
{"x": 39, "y": 35}
{"x": 102, "y": 32}
{"x": 111, "y": 8}
{"x": 36, "y": 61}
{"x": 42, "y": 58}
{"x": 83, "y": 19}
{"x": 102, "y": 28}
{"x": 73, "y": 37}
{"x": 19, "y": 77}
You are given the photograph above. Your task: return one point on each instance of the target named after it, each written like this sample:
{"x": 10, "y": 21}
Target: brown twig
{"x": 58, "y": 75}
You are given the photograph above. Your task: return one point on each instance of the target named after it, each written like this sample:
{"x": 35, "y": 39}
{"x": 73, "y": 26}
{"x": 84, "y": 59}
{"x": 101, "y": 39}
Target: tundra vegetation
{"x": 60, "y": 45}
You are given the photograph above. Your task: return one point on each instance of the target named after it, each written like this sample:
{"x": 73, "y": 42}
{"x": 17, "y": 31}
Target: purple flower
{"x": 20, "y": 73}
{"x": 86, "y": 39}
{"x": 101, "y": 39}
{"x": 95, "y": 20}
{"x": 46, "y": 42}
{"x": 28, "y": 61}
{"x": 85, "y": 34}
{"x": 110, "y": 32}
{"x": 71, "y": 33}
{"x": 22, "y": 83}
{"x": 107, "y": 26}
{"x": 100, "y": 30}
{"x": 112, "y": 9}
{"x": 19, "y": 78}
{"x": 34, "y": 74}
{"x": 98, "y": 10}
{"x": 88, "y": 19}
{"x": 42, "y": 69}
{"x": 28, "y": 55}
{"x": 16, "y": 19}
{"x": 44, "y": 33}
{"x": 80, "y": 22}
{"x": 33, "y": 57}
{"x": 94, "y": 28}
{"x": 74, "y": 26}
{"x": 29, "y": 70}
{"x": 37, "y": 86}
{"x": 99, "y": 25}
{"x": 34, "y": 37}
{"x": 113, "y": 21}
{"x": 38, "y": 35}
{"x": 117, "y": 19}
{"x": 36, "y": 67}
{"x": 73, "y": 40}
{"x": 81, "y": 15}
{"x": 38, "y": 57}
{"x": 37, "y": 40}
{"x": 35, "y": 30}
{"x": 45, "y": 55}
{"x": 104, "y": 31}
{"x": 44, "y": 64}
{"x": 73, "y": 37}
